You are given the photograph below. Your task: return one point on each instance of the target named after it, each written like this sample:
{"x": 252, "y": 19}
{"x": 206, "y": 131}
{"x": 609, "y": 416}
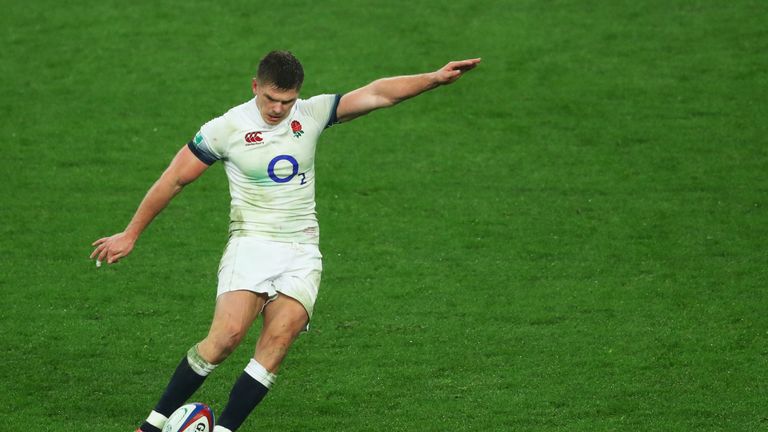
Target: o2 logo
{"x": 294, "y": 164}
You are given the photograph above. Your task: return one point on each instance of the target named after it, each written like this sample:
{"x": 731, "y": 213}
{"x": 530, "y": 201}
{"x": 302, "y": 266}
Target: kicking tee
{"x": 271, "y": 168}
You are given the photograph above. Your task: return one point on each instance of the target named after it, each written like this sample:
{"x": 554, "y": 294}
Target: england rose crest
{"x": 296, "y": 128}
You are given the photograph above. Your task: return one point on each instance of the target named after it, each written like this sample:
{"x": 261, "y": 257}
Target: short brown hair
{"x": 282, "y": 69}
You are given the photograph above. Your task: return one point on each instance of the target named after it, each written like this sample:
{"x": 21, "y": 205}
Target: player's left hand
{"x": 111, "y": 249}
{"x": 454, "y": 70}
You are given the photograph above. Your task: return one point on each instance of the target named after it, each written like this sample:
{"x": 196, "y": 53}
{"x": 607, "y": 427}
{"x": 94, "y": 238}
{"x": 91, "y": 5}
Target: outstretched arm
{"x": 184, "y": 169}
{"x": 386, "y": 92}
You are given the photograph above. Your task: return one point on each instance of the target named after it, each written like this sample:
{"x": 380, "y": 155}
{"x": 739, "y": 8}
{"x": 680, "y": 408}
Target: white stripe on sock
{"x": 157, "y": 420}
{"x": 260, "y": 373}
{"x": 198, "y": 363}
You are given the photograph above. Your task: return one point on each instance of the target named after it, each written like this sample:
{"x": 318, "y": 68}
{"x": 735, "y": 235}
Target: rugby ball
{"x": 194, "y": 417}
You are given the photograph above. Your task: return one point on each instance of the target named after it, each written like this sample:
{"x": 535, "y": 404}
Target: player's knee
{"x": 233, "y": 335}
{"x": 228, "y": 339}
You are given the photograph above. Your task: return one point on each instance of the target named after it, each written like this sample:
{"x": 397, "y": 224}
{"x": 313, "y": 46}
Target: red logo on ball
{"x": 253, "y": 137}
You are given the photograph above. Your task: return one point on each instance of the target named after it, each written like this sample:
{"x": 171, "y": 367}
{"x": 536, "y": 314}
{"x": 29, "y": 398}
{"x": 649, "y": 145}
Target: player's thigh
{"x": 235, "y": 312}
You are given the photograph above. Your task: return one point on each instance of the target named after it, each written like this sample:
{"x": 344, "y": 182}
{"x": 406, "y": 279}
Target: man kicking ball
{"x": 272, "y": 264}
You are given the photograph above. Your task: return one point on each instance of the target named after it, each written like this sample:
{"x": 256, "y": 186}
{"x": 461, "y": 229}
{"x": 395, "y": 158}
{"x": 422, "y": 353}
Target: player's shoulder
{"x": 226, "y": 123}
{"x": 321, "y": 108}
{"x": 243, "y": 112}
{"x": 236, "y": 118}
{"x": 326, "y": 99}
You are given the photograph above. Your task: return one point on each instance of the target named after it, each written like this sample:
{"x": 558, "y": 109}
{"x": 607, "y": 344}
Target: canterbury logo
{"x": 253, "y": 137}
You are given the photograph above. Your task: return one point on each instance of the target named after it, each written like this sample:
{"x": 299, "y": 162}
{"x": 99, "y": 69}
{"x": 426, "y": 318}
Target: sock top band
{"x": 198, "y": 363}
{"x": 260, "y": 373}
{"x": 157, "y": 420}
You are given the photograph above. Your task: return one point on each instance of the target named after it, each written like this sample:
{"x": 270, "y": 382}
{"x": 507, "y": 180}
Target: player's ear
{"x": 254, "y": 85}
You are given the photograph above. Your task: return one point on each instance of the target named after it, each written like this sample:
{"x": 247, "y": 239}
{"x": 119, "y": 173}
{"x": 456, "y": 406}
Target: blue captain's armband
{"x": 200, "y": 149}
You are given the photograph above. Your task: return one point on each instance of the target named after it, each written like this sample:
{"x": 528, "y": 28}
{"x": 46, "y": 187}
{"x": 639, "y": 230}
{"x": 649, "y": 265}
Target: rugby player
{"x": 271, "y": 264}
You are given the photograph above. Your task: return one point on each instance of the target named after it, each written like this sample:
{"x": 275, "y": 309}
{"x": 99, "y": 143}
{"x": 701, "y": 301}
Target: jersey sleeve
{"x": 322, "y": 108}
{"x": 209, "y": 144}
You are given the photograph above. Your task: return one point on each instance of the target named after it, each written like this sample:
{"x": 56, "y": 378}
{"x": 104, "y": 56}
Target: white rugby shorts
{"x": 271, "y": 267}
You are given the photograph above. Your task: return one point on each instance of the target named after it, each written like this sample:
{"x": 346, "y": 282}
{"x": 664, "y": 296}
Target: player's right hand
{"x": 111, "y": 249}
{"x": 454, "y": 70}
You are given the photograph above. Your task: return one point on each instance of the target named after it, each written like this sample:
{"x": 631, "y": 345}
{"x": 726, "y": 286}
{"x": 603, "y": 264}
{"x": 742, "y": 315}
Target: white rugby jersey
{"x": 271, "y": 168}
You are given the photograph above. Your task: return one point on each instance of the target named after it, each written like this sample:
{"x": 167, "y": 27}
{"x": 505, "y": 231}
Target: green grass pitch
{"x": 570, "y": 238}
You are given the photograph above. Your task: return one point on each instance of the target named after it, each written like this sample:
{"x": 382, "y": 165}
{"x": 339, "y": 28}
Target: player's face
{"x": 274, "y": 104}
